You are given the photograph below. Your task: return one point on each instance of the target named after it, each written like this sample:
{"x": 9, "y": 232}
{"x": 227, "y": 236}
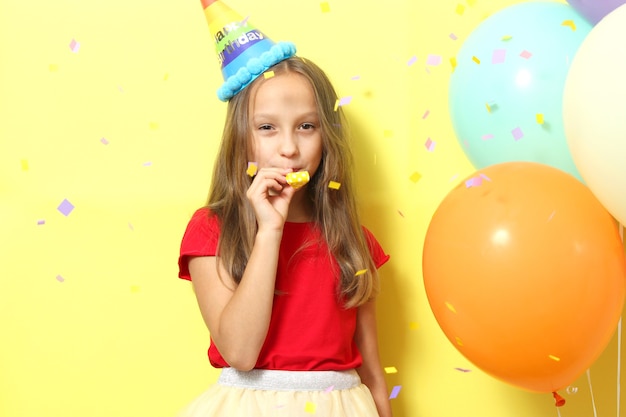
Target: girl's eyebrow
{"x": 311, "y": 114}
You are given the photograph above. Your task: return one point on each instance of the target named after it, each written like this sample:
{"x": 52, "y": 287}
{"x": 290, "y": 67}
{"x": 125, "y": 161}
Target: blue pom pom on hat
{"x": 244, "y": 52}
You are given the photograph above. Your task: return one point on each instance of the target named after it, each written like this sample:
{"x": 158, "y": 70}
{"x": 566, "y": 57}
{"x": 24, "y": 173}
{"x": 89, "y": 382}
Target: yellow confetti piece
{"x": 460, "y": 9}
{"x": 507, "y": 38}
{"x": 360, "y": 272}
{"x": 252, "y": 169}
{"x": 336, "y": 105}
{"x": 53, "y": 67}
{"x": 388, "y": 133}
{"x": 453, "y": 63}
{"x": 166, "y": 76}
{"x": 415, "y": 177}
{"x": 391, "y": 370}
{"x": 450, "y": 307}
{"x": 325, "y": 7}
{"x": 539, "y": 118}
{"x": 488, "y": 107}
{"x": 310, "y": 407}
{"x": 476, "y": 60}
{"x": 334, "y": 185}
{"x": 471, "y": 3}
{"x": 414, "y": 325}
{"x": 268, "y": 74}
{"x": 24, "y": 165}
{"x": 154, "y": 125}
{"x": 135, "y": 289}
{"x": 458, "y": 341}
{"x": 554, "y": 358}
{"x": 569, "y": 23}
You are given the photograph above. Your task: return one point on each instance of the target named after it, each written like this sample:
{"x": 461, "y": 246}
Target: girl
{"x": 286, "y": 278}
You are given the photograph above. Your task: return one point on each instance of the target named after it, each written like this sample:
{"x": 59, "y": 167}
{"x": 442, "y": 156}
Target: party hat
{"x": 244, "y": 52}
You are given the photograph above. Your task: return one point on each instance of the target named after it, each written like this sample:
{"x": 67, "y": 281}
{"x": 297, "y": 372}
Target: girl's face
{"x": 285, "y": 126}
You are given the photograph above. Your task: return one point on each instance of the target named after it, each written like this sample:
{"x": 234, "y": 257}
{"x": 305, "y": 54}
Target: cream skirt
{"x": 264, "y": 393}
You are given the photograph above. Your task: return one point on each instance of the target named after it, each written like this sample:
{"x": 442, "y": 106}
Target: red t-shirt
{"x": 309, "y": 329}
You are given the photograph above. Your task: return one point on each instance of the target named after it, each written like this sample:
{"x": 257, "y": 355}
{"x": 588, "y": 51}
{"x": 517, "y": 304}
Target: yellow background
{"x": 93, "y": 319}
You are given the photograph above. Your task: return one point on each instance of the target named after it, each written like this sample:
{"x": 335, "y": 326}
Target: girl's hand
{"x": 270, "y": 196}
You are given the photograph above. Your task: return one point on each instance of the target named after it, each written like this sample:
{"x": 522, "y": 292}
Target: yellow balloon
{"x": 594, "y": 111}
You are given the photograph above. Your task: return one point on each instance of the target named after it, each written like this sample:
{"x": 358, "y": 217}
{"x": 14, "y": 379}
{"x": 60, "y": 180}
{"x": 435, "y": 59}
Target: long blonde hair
{"x": 335, "y": 211}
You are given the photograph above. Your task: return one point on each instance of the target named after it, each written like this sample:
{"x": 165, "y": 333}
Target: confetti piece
{"x": 388, "y": 133}
{"x": 433, "y": 60}
{"x": 360, "y": 272}
{"x": 476, "y": 60}
{"x": 539, "y": 118}
{"x": 60, "y": 278}
{"x": 154, "y": 125}
{"x": 345, "y": 100}
{"x": 24, "y": 164}
{"x": 473, "y": 182}
{"x": 525, "y": 54}
{"x": 336, "y": 105}
{"x": 135, "y": 289}
{"x": 463, "y": 370}
{"x": 471, "y": 3}
{"x": 147, "y": 164}
{"x": 41, "y": 222}
{"x": 498, "y": 56}
{"x": 310, "y": 407}
{"x": 391, "y": 370}
{"x": 334, "y": 185}
{"x": 458, "y": 341}
{"x": 329, "y": 389}
{"x": 453, "y": 36}
{"x": 517, "y": 133}
{"x": 415, "y": 177}
{"x": 569, "y": 23}
{"x": 450, "y": 307}
{"x": 485, "y": 177}
{"x": 252, "y": 169}
{"x": 104, "y": 141}
{"x": 430, "y": 145}
{"x": 507, "y": 38}
{"x": 53, "y": 67}
{"x": 355, "y": 77}
{"x": 425, "y": 115}
{"x": 325, "y": 7}
{"x": 412, "y": 60}
{"x": 120, "y": 89}
{"x": 554, "y": 358}
{"x": 166, "y": 76}
{"x": 74, "y": 46}
{"x": 400, "y": 213}
{"x": 65, "y": 207}
{"x": 414, "y": 325}
{"x": 487, "y": 136}
{"x": 453, "y": 62}
{"x": 268, "y": 74}
{"x": 488, "y": 107}
{"x": 395, "y": 391}
{"x": 460, "y": 9}
{"x": 131, "y": 227}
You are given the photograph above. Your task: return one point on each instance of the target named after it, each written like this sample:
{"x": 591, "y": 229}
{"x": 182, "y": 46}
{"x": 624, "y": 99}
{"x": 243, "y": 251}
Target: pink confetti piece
{"x": 412, "y": 61}
{"x": 104, "y": 141}
{"x": 433, "y": 60}
{"x": 487, "y": 136}
{"x": 329, "y": 389}
{"x": 74, "y": 46}
{"x": 425, "y": 115}
{"x": 485, "y": 177}
{"x": 430, "y": 145}
{"x": 120, "y": 89}
{"x": 355, "y": 77}
{"x": 65, "y": 207}
{"x": 395, "y": 391}
{"x": 517, "y": 133}
{"x": 60, "y": 278}
{"x": 473, "y": 182}
{"x": 498, "y": 56}
{"x": 345, "y": 100}
{"x": 463, "y": 370}
{"x": 525, "y": 54}
{"x": 147, "y": 163}
{"x": 453, "y": 36}
{"x": 41, "y": 222}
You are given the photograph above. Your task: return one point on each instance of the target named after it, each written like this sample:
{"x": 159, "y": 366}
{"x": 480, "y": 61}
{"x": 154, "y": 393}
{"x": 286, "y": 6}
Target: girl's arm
{"x": 371, "y": 372}
{"x": 238, "y": 316}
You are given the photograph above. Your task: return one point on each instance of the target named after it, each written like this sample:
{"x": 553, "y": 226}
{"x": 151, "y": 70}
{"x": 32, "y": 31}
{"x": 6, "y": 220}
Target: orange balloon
{"x": 525, "y": 273}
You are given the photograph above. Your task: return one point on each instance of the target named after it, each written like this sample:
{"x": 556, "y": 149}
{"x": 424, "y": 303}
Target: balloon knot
{"x": 558, "y": 400}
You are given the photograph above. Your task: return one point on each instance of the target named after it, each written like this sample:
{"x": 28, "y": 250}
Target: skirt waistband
{"x": 278, "y": 380}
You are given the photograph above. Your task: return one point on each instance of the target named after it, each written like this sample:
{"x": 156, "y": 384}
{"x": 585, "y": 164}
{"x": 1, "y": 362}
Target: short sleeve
{"x": 200, "y": 239}
{"x": 378, "y": 254}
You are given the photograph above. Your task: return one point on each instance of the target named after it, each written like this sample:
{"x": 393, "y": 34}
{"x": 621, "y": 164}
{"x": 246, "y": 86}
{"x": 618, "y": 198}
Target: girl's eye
{"x": 265, "y": 127}
{"x": 307, "y": 126}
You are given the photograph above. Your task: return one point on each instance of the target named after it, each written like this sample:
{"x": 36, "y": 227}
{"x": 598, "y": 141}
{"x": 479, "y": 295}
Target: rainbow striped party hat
{"x": 243, "y": 51}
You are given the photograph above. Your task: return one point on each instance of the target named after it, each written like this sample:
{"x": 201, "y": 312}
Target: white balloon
{"x": 594, "y": 111}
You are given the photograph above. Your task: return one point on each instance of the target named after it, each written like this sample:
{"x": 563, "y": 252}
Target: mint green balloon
{"x": 506, "y": 91}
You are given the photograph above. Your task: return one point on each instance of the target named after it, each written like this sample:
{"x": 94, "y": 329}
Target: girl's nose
{"x": 288, "y": 144}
